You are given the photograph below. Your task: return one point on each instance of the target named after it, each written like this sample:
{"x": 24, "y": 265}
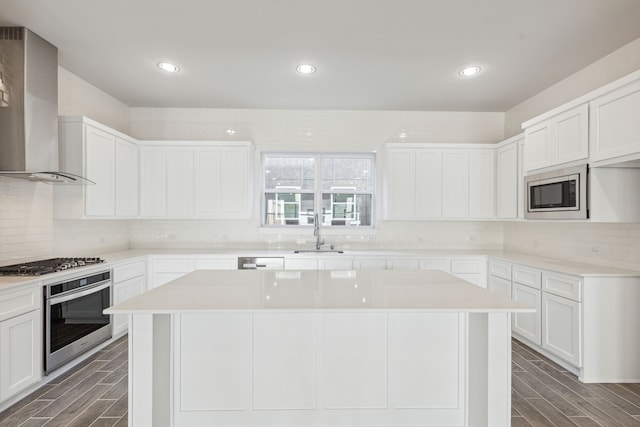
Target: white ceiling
{"x": 370, "y": 54}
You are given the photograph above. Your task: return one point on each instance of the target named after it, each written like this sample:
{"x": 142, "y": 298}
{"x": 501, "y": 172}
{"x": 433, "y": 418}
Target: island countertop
{"x": 211, "y": 291}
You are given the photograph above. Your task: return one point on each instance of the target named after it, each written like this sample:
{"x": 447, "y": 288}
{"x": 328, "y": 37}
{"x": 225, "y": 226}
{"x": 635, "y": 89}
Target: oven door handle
{"x": 80, "y": 294}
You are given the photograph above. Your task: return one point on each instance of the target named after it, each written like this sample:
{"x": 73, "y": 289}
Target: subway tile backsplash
{"x": 26, "y": 224}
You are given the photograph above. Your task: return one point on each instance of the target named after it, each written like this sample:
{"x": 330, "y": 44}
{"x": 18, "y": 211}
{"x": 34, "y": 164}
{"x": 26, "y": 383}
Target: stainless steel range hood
{"x": 29, "y": 108}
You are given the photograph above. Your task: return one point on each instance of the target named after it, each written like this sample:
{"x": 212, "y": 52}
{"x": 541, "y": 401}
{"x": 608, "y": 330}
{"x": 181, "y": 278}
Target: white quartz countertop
{"x": 534, "y": 261}
{"x": 211, "y": 291}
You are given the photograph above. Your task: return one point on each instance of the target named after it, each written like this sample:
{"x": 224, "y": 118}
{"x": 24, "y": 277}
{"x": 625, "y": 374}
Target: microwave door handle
{"x": 80, "y": 294}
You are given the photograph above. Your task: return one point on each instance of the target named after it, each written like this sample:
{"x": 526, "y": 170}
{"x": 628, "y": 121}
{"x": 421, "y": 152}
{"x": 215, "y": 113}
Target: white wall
{"x": 288, "y": 130}
{"x": 616, "y": 245}
{"x": 76, "y": 97}
{"x": 26, "y": 224}
{"x": 609, "y": 68}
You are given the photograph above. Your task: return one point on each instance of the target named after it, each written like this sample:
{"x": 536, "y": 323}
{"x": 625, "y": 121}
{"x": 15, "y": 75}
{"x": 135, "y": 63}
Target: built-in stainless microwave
{"x": 559, "y": 194}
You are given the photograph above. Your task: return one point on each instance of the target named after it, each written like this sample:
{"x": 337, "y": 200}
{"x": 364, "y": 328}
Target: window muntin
{"x": 341, "y": 185}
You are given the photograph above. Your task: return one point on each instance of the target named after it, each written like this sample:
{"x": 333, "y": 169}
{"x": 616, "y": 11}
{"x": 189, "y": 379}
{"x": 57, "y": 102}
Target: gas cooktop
{"x": 52, "y": 265}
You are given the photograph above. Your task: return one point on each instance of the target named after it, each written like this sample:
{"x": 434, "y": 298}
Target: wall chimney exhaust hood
{"x": 29, "y": 108}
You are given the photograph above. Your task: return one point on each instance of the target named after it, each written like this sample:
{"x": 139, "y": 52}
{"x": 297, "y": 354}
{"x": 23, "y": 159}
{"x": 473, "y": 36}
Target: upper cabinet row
{"x": 151, "y": 179}
{"x": 439, "y": 183}
{"x": 600, "y": 128}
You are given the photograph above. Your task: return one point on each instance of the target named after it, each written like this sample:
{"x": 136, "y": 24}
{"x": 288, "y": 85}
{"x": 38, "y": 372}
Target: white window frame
{"x": 317, "y": 191}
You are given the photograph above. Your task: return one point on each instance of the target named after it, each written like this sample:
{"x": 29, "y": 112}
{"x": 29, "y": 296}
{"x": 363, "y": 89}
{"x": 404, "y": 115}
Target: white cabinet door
{"x": 614, "y": 126}
{"x": 571, "y": 135}
{"x": 560, "y": 139}
{"x": 285, "y": 370}
{"x": 403, "y": 264}
{"x": 508, "y": 182}
{"x": 442, "y": 264}
{"x": 482, "y": 183}
{"x": 341, "y": 263}
{"x": 369, "y": 263}
{"x": 355, "y": 361}
{"x": 455, "y": 188}
{"x": 500, "y": 286}
{"x": 207, "y": 186}
{"x": 236, "y": 182}
{"x": 121, "y": 292}
{"x": 126, "y": 175}
{"x": 400, "y": 184}
{"x": 561, "y": 328}
{"x": 153, "y": 184}
{"x": 216, "y": 263}
{"x": 428, "y": 183}
{"x": 527, "y": 325}
{"x": 300, "y": 263}
{"x": 537, "y": 146}
{"x": 20, "y": 353}
{"x": 179, "y": 176}
{"x": 100, "y": 168}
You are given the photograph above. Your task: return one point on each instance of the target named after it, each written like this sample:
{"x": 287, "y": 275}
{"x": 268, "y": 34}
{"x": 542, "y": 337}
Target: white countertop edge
{"x": 320, "y": 310}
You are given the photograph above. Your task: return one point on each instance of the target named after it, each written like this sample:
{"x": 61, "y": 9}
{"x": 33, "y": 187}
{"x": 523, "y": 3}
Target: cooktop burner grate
{"x": 52, "y": 265}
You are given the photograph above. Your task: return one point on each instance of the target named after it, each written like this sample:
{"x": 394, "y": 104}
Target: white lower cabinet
{"x": 527, "y": 325}
{"x": 128, "y": 281}
{"x": 500, "y": 286}
{"x": 20, "y": 340}
{"x": 363, "y": 263}
{"x": 300, "y": 263}
{"x": 561, "y": 328}
{"x": 165, "y": 269}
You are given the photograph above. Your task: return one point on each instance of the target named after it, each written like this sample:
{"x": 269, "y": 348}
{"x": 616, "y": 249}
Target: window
{"x": 338, "y": 188}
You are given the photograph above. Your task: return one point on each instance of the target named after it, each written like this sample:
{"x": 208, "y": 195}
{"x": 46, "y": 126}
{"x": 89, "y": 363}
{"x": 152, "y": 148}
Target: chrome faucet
{"x": 316, "y": 232}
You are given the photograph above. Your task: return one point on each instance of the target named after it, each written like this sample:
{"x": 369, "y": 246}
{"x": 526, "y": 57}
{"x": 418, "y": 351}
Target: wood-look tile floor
{"x": 544, "y": 394}
{"x": 92, "y": 394}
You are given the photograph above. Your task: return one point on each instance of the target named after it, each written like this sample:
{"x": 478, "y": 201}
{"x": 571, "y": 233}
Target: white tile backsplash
{"x": 87, "y": 238}
{"x": 615, "y": 245}
{"x": 26, "y": 224}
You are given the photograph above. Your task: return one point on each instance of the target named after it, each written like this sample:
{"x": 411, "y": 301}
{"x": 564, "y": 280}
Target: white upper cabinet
{"x": 508, "y": 179}
{"x": 400, "y": 183}
{"x": 126, "y": 179}
{"x": 100, "y": 163}
{"x": 207, "y": 184}
{"x": 425, "y": 182}
{"x": 482, "y": 179}
{"x": 104, "y": 156}
{"x": 153, "y": 196}
{"x": 455, "y": 184}
{"x": 562, "y": 138}
{"x": 615, "y": 128}
{"x": 196, "y": 180}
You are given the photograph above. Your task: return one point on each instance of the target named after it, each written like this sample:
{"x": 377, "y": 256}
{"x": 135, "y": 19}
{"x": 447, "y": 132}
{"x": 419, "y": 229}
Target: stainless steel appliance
{"x": 559, "y": 194}
{"x": 52, "y": 265}
{"x": 29, "y": 108}
{"x": 74, "y": 321}
{"x": 260, "y": 263}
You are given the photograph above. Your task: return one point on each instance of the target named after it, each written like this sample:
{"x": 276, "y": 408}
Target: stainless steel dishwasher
{"x": 260, "y": 263}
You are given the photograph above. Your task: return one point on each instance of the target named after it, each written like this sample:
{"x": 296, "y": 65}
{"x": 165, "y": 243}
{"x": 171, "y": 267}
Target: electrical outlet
{"x": 595, "y": 250}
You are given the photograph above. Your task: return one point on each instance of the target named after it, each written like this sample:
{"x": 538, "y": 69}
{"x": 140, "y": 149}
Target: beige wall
{"x": 613, "y": 66}
{"x": 76, "y": 97}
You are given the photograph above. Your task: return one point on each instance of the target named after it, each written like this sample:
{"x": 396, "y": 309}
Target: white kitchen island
{"x": 319, "y": 348}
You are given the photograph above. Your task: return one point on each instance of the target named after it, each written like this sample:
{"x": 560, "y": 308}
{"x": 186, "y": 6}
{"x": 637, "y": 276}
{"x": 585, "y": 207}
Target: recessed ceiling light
{"x": 168, "y": 67}
{"x": 469, "y": 71}
{"x": 306, "y": 69}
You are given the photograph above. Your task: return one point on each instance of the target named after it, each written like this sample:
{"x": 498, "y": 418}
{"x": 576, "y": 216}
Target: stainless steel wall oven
{"x": 74, "y": 321}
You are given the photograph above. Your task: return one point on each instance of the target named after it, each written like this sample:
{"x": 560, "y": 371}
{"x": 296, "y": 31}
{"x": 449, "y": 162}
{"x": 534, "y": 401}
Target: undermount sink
{"x": 318, "y": 251}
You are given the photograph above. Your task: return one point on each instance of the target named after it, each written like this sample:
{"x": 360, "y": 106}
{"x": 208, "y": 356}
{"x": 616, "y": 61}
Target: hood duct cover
{"x": 29, "y": 108}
